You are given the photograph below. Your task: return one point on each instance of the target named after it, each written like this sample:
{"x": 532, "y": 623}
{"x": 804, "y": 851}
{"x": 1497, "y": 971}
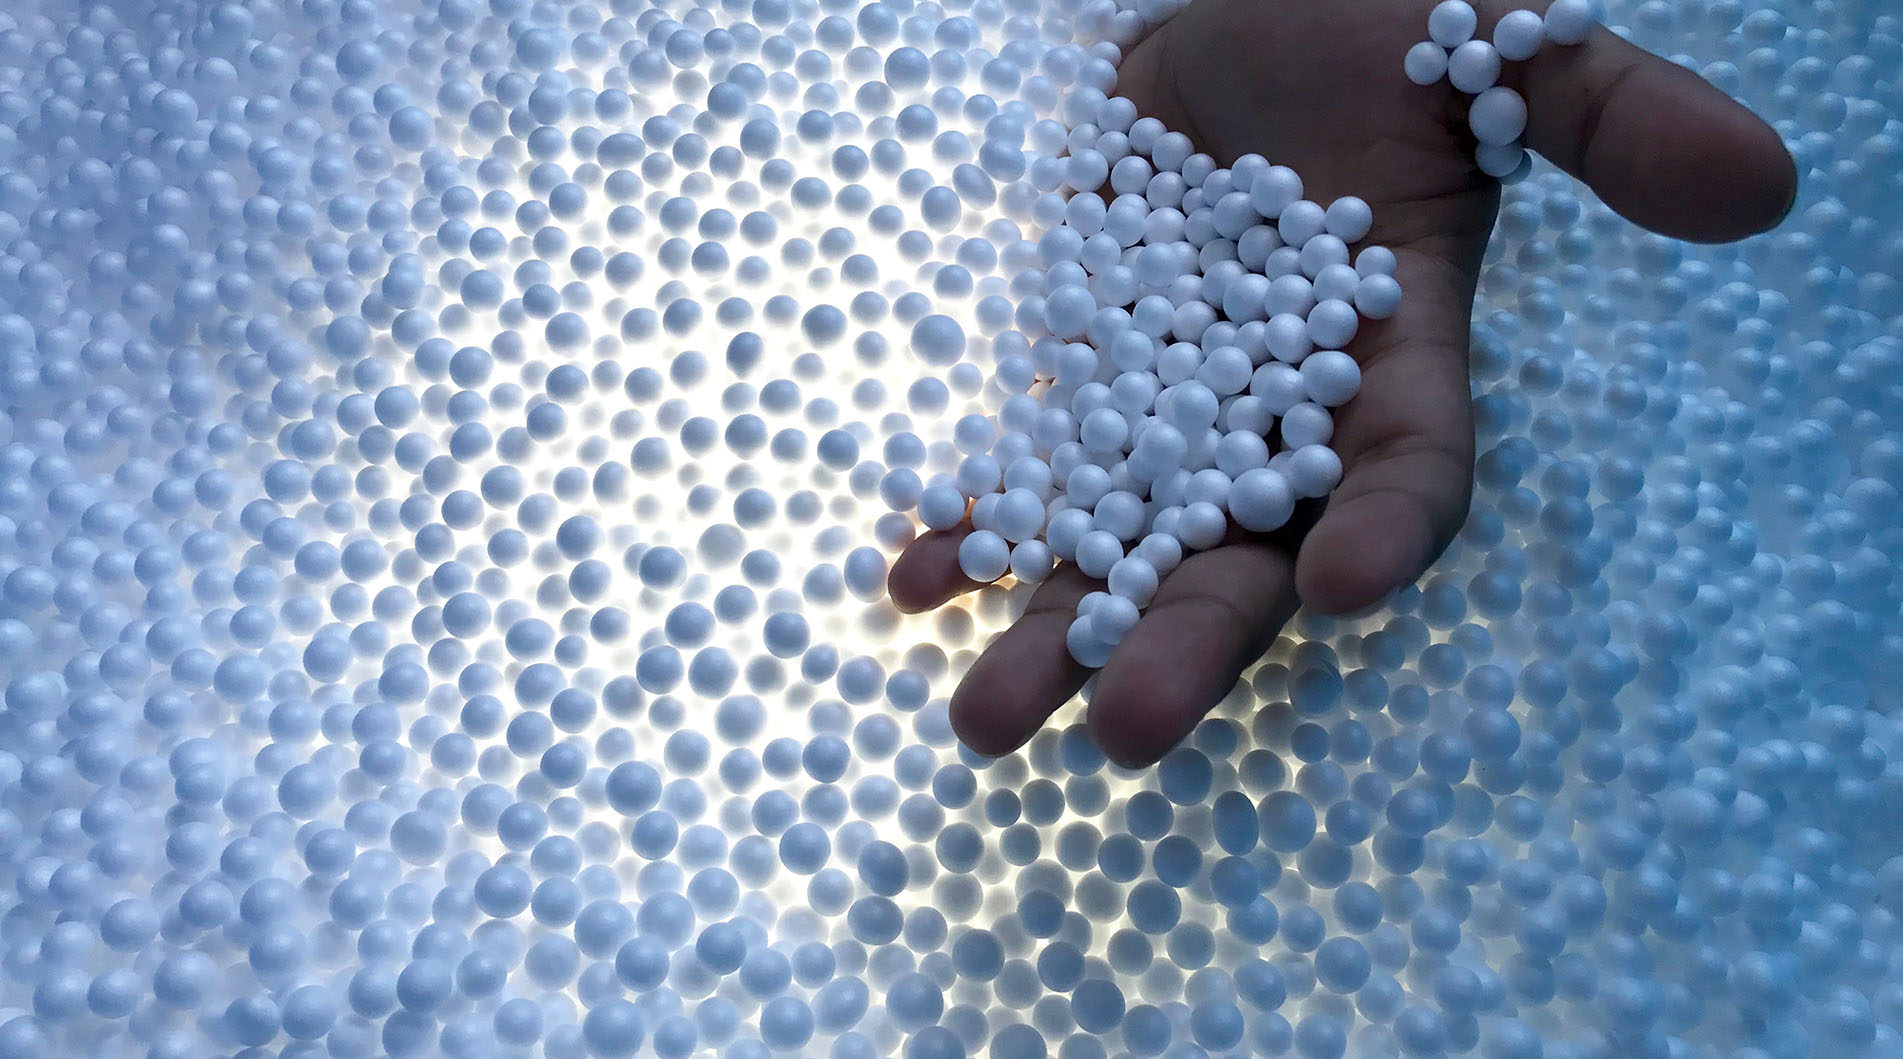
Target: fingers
{"x": 1406, "y": 444}
{"x": 1213, "y": 616}
{"x": 926, "y": 573}
{"x": 1655, "y": 141}
{"x": 1026, "y": 673}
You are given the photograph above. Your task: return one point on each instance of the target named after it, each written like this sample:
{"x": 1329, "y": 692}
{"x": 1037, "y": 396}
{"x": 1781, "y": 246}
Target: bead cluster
{"x": 1497, "y": 114}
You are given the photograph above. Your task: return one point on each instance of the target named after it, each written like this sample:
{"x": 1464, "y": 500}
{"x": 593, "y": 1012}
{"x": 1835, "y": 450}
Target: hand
{"x": 1319, "y": 87}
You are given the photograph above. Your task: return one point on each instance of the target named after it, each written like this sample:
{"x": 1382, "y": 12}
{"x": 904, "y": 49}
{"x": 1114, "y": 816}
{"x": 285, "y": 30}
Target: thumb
{"x": 1655, "y": 141}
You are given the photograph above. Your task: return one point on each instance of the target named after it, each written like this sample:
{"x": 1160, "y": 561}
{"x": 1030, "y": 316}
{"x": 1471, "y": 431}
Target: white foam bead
{"x": 1104, "y": 430}
{"x": 1170, "y": 151}
{"x": 978, "y": 475}
{"x": 1201, "y": 526}
{"x": 1473, "y": 67}
{"x": 1348, "y": 218}
{"x": 1178, "y": 361}
{"x": 1283, "y": 261}
{"x": 1068, "y": 309}
{"x": 1377, "y": 296}
{"x": 1114, "y": 146}
{"x": 1425, "y": 63}
{"x": 1518, "y": 35}
{"x": 1255, "y": 245}
{"x": 1570, "y": 22}
{"x": 1250, "y": 415}
{"x": 1086, "y": 170}
{"x": 1083, "y": 645}
{"x": 1241, "y": 451}
{"x": 1152, "y": 315}
{"x": 1451, "y": 23}
{"x": 1113, "y": 619}
{"x": 1320, "y": 252}
{"x": 1314, "y": 471}
{"x": 1120, "y": 514}
{"x": 1134, "y": 393}
{"x": 1066, "y": 458}
{"x": 1279, "y": 462}
{"x": 1287, "y": 338}
{"x": 1029, "y": 472}
{"x": 1243, "y": 298}
{"x": 1275, "y": 190}
{"x": 1292, "y": 295}
{"x": 1166, "y": 522}
{"x": 1191, "y": 407}
{"x": 1143, "y": 133}
{"x": 1337, "y": 281}
{"x": 1097, "y": 552}
{"x": 1020, "y": 515}
{"x": 1375, "y": 260}
{"x": 1332, "y": 324}
{"x": 1300, "y": 222}
{"x": 941, "y": 507}
{"x": 984, "y": 556}
{"x": 1064, "y": 530}
{"x": 1086, "y": 485}
{"x": 1261, "y": 500}
{"x": 1498, "y": 116}
{"x": 1055, "y": 426}
{"x": 1330, "y": 377}
{"x": 1499, "y": 160}
{"x": 1307, "y": 423}
{"x": 1208, "y": 486}
{"x": 1225, "y": 371}
{"x": 1116, "y": 114}
{"x": 984, "y": 512}
{"x": 1134, "y": 578}
{"x": 1031, "y": 561}
{"x": 1161, "y": 550}
{"x": 1278, "y": 386}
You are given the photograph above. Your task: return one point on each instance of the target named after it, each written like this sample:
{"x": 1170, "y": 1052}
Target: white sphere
{"x": 1451, "y": 23}
{"x": 1570, "y": 22}
{"x": 1031, "y": 561}
{"x": 1377, "y": 296}
{"x": 1473, "y": 67}
{"x": 984, "y": 556}
{"x": 1201, "y": 526}
{"x": 1314, "y": 471}
{"x": 1425, "y": 63}
{"x": 1498, "y": 116}
{"x": 1134, "y": 579}
{"x": 941, "y": 507}
{"x": 1348, "y": 218}
{"x": 1097, "y": 552}
{"x": 1518, "y": 35}
{"x": 1332, "y": 324}
{"x": 1261, "y": 500}
{"x": 1330, "y": 377}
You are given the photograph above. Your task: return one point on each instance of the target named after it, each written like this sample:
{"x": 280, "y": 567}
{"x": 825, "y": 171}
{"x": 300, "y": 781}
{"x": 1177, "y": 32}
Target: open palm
{"x": 1318, "y": 86}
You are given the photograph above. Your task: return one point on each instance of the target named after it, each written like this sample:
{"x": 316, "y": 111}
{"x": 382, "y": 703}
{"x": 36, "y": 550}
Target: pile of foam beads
{"x": 447, "y": 453}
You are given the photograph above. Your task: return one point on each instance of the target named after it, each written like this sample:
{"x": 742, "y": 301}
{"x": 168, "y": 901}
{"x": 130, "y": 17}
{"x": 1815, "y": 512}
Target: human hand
{"x": 1319, "y": 87}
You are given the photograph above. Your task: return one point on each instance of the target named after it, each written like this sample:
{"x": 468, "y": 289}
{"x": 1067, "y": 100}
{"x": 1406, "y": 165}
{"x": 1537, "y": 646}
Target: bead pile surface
{"x": 448, "y": 454}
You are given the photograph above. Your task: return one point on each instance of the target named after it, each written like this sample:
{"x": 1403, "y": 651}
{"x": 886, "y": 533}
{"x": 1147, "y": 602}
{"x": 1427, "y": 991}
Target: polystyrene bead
{"x": 1473, "y": 67}
{"x": 1518, "y": 35}
{"x": 1497, "y": 116}
{"x": 1451, "y": 23}
{"x": 984, "y": 555}
{"x": 1425, "y": 63}
{"x": 1570, "y": 22}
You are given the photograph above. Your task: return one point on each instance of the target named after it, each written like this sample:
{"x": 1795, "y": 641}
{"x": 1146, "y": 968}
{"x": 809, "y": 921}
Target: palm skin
{"x": 1317, "y": 85}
